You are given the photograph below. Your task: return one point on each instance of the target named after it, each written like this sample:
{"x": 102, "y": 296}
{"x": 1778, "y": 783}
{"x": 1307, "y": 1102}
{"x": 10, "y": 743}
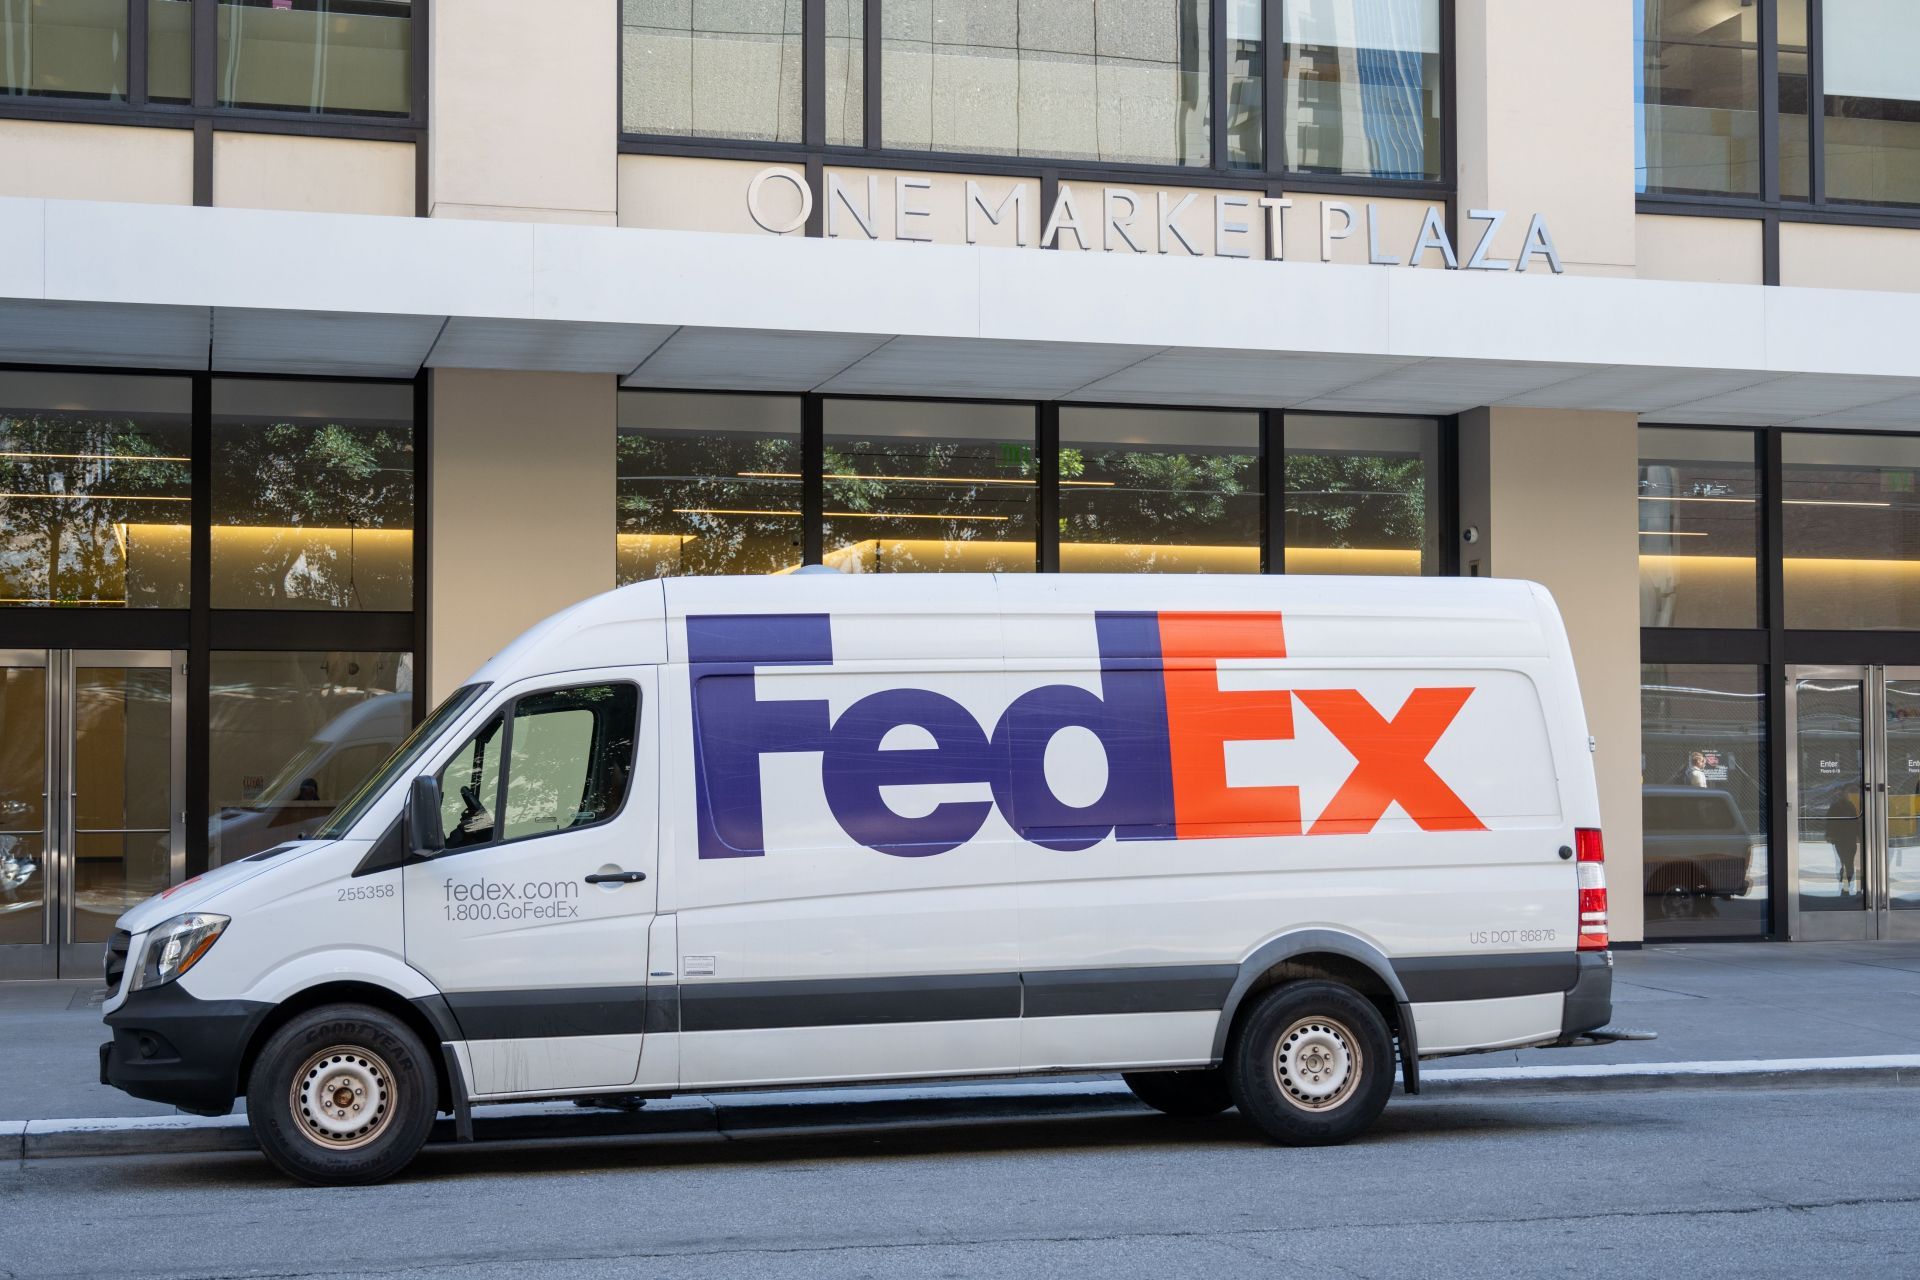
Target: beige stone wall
{"x": 313, "y": 175}
{"x": 1710, "y": 250}
{"x": 1546, "y": 122}
{"x": 1849, "y": 257}
{"x": 96, "y": 162}
{"x": 1552, "y": 493}
{"x": 521, "y": 519}
{"x": 524, "y": 114}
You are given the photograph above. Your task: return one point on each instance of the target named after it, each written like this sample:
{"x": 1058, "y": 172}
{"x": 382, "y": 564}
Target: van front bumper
{"x": 169, "y": 1046}
{"x": 1590, "y": 1000}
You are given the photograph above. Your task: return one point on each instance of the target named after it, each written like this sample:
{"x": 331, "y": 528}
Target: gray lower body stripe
{"x": 1436, "y": 979}
{"x": 964, "y": 997}
{"x": 847, "y": 1002}
{"x": 1068, "y": 993}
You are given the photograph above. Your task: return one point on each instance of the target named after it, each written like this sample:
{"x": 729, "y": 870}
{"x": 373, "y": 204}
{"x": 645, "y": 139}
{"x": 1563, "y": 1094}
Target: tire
{"x": 1191, "y": 1095}
{"x": 367, "y": 1061}
{"x": 1312, "y": 1064}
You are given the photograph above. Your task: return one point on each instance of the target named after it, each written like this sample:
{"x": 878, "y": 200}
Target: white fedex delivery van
{"x": 1262, "y": 842}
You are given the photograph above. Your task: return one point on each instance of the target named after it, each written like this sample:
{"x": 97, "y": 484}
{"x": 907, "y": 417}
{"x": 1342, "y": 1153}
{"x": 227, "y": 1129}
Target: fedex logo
{"x": 1160, "y": 716}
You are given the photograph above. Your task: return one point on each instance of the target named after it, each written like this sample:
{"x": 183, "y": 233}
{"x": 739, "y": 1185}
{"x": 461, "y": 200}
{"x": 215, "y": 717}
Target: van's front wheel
{"x": 342, "y": 1095}
{"x": 1312, "y": 1064}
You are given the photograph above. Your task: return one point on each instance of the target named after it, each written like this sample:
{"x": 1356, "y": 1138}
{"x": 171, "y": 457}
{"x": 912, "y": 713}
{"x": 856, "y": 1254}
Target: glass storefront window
{"x": 312, "y": 495}
{"x": 316, "y": 55}
{"x": 1871, "y": 84}
{"x": 23, "y": 803}
{"x": 846, "y": 73}
{"x": 1703, "y": 800}
{"x": 708, "y": 69}
{"x": 1697, "y": 82}
{"x": 95, "y": 490}
{"x": 706, "y": 484}
{"x": 1246, "y": 85}
{"x": 1125, "y": 82}
{"x": 1363, "y": 495}
{"x": 64, "y": 48}
{"x": 294, "y": 734}
{"x": 1851, "y": 523}
{"x": 918, "y": 486}
{"x": 1699, "y": 528}
{"x": 1362, "y": 85}
{"x": 1796, "y": 98}
{"x": 170, "y": 50}
{"x": 1159, "y": 491}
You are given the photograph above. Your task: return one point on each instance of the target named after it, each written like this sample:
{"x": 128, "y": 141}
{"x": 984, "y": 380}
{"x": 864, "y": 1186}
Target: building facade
{"x": 340, "y": 340}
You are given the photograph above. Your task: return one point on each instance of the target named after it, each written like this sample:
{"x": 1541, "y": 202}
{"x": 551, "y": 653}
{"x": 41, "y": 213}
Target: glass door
{"x": 26, "y": 930}
{"x": 1853, "y": 770}
{"x": 1900, "y": 862}
{"x": 92, "y": 800}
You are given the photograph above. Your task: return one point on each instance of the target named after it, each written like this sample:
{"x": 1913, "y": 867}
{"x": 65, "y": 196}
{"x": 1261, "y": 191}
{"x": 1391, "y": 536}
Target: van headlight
{"x": 175, "y": 946}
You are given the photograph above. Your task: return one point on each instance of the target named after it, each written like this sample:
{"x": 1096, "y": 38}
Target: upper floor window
{"x": 1122, "y": 82}
{"x": 350, "y": 57}
{"x": 1848, "y": 89}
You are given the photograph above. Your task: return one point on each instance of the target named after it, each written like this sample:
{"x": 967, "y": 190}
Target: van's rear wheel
{"x": 342, "y": 1095}
{"x": 1189, "y": 1094}
{"x": 1312, "y": 1063}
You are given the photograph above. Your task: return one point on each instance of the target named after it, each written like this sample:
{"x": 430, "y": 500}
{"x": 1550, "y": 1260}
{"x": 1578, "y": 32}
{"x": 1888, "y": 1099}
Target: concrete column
{"x": 1553, "y": 495}
{"x": 521, "y": 515}
{"x": 1545, "y": 124}
{"x": 525, "y": 110}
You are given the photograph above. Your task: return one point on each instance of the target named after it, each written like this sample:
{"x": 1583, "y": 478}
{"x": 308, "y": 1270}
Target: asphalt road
{"x": 1712, "y": 1183}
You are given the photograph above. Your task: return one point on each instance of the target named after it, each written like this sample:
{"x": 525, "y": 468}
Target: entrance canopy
{"x": 238, "y": 290}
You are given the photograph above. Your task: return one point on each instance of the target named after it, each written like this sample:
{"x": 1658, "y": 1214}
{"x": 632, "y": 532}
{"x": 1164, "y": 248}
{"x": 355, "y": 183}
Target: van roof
{"x": 971, "y": 615}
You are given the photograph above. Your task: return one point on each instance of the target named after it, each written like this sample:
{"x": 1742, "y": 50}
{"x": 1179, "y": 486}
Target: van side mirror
{"x": 426, "y": 835}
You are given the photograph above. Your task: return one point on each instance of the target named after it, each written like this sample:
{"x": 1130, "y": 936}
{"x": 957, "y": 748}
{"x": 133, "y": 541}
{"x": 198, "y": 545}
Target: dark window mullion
{"x": 1218, "y": 153}
{"x": 872, "y": 70}
{"x": 199, "y": 744}
{"x": 1273, "y": 491}
{"x": 136, "y": 53}
{"x": 1273, "y": 150}
{"x": 1046, "y": 515}
{"x": 813, "y": 78}
{"x": 1816, "y": 103}
{"x": 206, "y": 54}
{"x": 1770, "y": 101}
{"x": 813, "y": 486}
{"x": 1773, "y": 570}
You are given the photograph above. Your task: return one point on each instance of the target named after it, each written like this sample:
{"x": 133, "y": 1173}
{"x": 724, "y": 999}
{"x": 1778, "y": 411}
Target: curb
{"x": 719, "y": 1117}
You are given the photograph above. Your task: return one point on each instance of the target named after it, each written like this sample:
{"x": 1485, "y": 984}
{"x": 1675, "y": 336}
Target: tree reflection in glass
{"x": 708, "y": 484}
{"x": 312, "y": 496}
{"x": 1159, "y": 491}
{"x": 924, "y": 487}
{"x": 94, "y": 504}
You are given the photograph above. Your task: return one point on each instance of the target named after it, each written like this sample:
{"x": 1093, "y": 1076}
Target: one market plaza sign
{"x": 1123, "y": 219}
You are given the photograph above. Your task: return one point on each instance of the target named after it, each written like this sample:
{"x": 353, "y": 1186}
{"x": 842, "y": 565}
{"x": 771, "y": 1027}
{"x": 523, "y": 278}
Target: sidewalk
{"x": 1719, "y": 1002}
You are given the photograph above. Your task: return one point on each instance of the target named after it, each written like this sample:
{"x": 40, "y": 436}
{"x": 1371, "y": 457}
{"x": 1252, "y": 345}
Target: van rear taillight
{"x": 1591, "y": 866}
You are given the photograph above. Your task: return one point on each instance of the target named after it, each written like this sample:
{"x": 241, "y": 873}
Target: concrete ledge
{"x": 720, "y": 1117}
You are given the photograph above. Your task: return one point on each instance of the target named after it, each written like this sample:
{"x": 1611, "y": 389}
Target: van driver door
{"x": 534, "y": 919}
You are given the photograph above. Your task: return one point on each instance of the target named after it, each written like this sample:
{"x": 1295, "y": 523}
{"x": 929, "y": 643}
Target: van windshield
{"x": 342, "y": 819}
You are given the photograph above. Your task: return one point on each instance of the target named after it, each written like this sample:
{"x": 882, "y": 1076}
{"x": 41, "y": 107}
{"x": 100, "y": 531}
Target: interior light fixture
{"x": 834, "y": 515}
{"x": 1829, "y": 502}
{"x": 1657, "y": 497}
{"x": 94, "y": 497}
{"x": 98, "y": 457}
{"x": 1674, "y": 533}
{"x": 848, "y": 475}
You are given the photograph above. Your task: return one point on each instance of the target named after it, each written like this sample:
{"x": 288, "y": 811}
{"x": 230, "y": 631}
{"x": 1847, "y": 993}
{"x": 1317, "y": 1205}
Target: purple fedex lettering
{"x": 734, "y": 727}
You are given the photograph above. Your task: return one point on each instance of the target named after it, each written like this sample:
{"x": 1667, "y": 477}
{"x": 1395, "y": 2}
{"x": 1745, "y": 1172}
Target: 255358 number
{"x": 360, "y": 892}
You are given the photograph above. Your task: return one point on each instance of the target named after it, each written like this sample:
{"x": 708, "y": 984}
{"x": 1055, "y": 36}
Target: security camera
{"x": 1471, "y": 534}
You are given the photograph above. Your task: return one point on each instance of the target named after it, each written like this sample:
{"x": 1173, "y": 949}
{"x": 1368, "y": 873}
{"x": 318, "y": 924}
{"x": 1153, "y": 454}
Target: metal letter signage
{"x": 928, "y": 208}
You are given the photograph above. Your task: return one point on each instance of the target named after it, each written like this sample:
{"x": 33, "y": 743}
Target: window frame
{"x": 1272, "y": 468}
{"x": 507, "y": 710}
{"x": 814, "y": 152}
{"x": 1769, "y": 207}
{"x": 203, "y": 115}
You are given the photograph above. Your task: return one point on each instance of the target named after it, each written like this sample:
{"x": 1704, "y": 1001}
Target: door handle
{"x": 616, "y": 877}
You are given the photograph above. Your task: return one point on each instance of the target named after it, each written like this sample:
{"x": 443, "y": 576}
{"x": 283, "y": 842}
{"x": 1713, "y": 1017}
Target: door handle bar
{"x": 616, "y": 877}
